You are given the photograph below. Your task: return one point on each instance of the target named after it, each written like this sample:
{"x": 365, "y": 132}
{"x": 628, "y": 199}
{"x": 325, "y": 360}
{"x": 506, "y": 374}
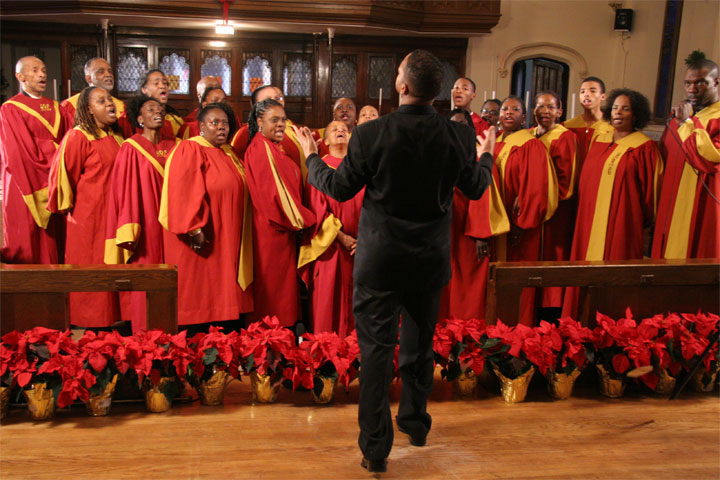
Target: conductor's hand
{"x": 482, "y": 248}
{"x": 306, "y": 141}
{"x": 486, "y": 144}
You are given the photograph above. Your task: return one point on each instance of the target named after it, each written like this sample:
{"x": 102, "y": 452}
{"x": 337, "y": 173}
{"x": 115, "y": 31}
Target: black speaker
{"x": 623, "y": 19}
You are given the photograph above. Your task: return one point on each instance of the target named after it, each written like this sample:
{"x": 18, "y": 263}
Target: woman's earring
{"x": 202, "y": 133}
{"x": 259, "y": 129}
{"x": 141, "y": 125}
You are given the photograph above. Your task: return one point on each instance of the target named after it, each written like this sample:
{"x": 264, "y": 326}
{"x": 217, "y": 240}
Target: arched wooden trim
{"x": 553, "y": 51}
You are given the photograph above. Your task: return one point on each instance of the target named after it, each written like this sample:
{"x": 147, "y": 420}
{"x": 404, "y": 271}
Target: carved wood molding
{"x": 454, "y": 17}
{"x": 543, "y": 49}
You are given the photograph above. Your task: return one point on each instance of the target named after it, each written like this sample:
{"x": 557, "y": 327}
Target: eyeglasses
{"x": 491, "y": 112}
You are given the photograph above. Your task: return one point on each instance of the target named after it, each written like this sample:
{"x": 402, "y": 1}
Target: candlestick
{"x": 572, "y": 107}
{"x": 380, "y": 101}
{"x": 55, "y": 88}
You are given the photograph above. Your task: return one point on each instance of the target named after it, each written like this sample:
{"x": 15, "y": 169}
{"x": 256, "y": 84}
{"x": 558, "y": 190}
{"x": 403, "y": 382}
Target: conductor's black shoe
{"x": 374, "y": 465}
{"x": 415, "y": 440}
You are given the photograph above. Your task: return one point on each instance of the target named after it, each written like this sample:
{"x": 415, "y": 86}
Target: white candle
{"x": 69, "y": 89}
{"x": 380, "y": 101}
{"x": 572, "y": 107}
{"x": 493, "y": 95}
{"x": 527, "y": 101}
{"x": 55, "y": 88}
{"x": 485, "y": 96}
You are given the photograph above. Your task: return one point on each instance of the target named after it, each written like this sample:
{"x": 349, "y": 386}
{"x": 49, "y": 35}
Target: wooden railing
{"x": 647, "y": 286}
{"x": 37, "y": 295}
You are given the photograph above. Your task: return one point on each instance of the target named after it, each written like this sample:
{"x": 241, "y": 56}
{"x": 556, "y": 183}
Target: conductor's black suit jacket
{"x": 409, "y": 161}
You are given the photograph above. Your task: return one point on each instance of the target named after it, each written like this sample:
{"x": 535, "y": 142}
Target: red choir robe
{"x": 275, "y": 184}
{"x": 479, "y": 123}
{"x": 189, "y": 130}
{"x": 79, "y": 182}
{"x": 558, "y": 231}
{"x": 205, "y": 187}
{"x": 465, "y": 295}
{"x": 290, "y": 144}
{"x": 192, "y": 116}
{"x": 329, "y": 263}
{"x": 617, "y": 197}
{"x": 133, "y": 233}
{"x": 584, "y": 135}
{"x": 527, "y": 178}
{"x": 30, "y": 131}
{"x": 70, "y": 104}
{"x": 688, "y": 217}
{"x": 170, "y": 128}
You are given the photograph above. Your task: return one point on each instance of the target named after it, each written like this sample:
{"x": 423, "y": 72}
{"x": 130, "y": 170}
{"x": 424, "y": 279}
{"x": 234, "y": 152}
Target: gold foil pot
{"x": 155, "y": 399}
{"x": 263, "y": 390}
{"x": 212, "y": 391}
{"x": 610, "y": 387}
{"x": 41, "y": 404}
{"x": 326, "y": 395}
{"x": 560, "y": 385}
{"x": 666, "y": 383}
{"x": 4, "y": 401}
{"x": 701, "y": 374}
{"x": 98, "y": 405}
{"x": 465, "y": 384}
{"x": 514, "y": 390}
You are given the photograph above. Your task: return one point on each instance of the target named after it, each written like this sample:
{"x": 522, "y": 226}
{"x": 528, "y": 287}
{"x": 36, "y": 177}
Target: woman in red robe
{"x": 529, "y": 191}
{"x": 474, "y": 224}
{"x": 155, "y": 84}
{"x": 332, "y": 247}
{"x": 205, "y": 211}
{"x": 617, "y": 190}
{"x": 79, "y": 182}
{"x": 562, "y": 145}
{"x": 134, "y": 234}
{"x": 275, "y": 184}
{"x": 211, "y": 95}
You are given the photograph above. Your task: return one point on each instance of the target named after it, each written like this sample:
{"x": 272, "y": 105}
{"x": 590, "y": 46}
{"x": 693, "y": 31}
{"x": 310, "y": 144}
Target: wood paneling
{"x": 584, "y": 437}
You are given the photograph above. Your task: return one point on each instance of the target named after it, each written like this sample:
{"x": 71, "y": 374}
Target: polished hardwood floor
{"x": 585, "y": 437}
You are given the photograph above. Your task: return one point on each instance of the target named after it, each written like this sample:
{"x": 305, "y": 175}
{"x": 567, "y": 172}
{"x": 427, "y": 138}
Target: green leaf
{"x": 210, "y": 356}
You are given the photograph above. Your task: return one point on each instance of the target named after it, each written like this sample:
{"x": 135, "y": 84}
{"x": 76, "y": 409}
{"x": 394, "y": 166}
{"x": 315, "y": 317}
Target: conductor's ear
{"x": 404, "y": 89}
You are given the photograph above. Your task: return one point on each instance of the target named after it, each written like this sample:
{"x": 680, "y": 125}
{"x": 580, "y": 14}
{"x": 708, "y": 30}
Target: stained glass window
{"x": 344, "y": 76}
{"x": 132, "y": 65}
{"x": 450, "y": 74}
{"x": 297, "y": 75}
{"x": 79, "y": 55}
{"x": 256, "y": 72}
{"x": 381, "y": 76}
{"x": 217, "y": 63}
{"x": 174, "y": 64}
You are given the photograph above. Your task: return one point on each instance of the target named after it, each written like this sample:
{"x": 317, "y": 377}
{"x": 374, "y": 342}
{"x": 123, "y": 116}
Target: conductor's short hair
{"x": 424, "y": 74}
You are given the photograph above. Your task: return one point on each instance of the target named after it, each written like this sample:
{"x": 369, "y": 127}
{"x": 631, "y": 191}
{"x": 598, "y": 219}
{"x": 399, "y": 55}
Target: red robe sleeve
{"x": 562, "y": 152}
{"x": 67, "y": 167}
{"x": 240, "y": 140}
{"x": 649, "y": 166}
{"x": 184, "y": 185}
{"x": 529, "y": 177}
{"x": 486, "y": 216}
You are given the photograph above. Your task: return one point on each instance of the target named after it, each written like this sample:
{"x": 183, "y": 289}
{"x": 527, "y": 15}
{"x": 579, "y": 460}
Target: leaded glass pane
{"x": 218, "y": 65}
{"x": 132, "y": 65}
{"x": 79, "y": 55}
{"x": 381, "y": 76}
{"x": 256, "y": 72}
{"x": 450, "y": 74}
{"x": 175, "y": 67}
{"x": 297, "y": 76}
{"x": 344, "y": 77}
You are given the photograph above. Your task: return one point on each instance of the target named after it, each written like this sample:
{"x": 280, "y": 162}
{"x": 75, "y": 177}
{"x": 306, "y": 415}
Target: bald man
{"x": 344, "y": 110}
{"x": 98, "y": 73}
{"x": 31, "y": 127}
{"x": 203, "y": 84}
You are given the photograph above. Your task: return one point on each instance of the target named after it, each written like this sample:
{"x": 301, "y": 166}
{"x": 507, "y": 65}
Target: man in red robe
{"x": 463, "y": 93}
{"x": 687, "y": 223}
{"x": 344, "y": 110}
{"x": 31, "y": 127}
{"x": 98, "y": 73}
{"x": 203, "y": 84}
{"x": 590, "y": 123}
{"x": 332, "y": 247}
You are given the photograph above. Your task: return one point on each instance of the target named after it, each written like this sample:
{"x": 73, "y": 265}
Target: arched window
{"x": 533, "y": 75}
{"x": 256, "y": 72}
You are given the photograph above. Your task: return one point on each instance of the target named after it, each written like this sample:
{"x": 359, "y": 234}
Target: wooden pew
{"x": 647, "y": 286}
{"x": 37, "y": 295}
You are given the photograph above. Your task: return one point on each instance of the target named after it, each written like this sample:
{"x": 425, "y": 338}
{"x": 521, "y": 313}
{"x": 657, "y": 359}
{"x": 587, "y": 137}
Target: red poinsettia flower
{"x": 265, "y": 344}
{"x": 300, "y": 367}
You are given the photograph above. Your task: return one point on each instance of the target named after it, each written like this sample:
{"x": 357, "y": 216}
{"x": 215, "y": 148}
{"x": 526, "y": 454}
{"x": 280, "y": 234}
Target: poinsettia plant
{"x": 331, "y": 357}
{"x": 562, "y": 347}
{"x": 611, "y": 341}
{"x": 516, "y": 350}
{"x": 459, "y": 346}
{"x": 213, "y": 351}
{"x": 264, "y": 348}
{"x": 699, "y": 330}
{"x": 98, "y": 355}
{"x": 155, "y": 354}
{"x": 38, "y": 355}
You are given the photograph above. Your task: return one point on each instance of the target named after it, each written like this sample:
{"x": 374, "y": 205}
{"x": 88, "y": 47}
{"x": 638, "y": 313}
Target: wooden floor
{"x": 586, "y": 437}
